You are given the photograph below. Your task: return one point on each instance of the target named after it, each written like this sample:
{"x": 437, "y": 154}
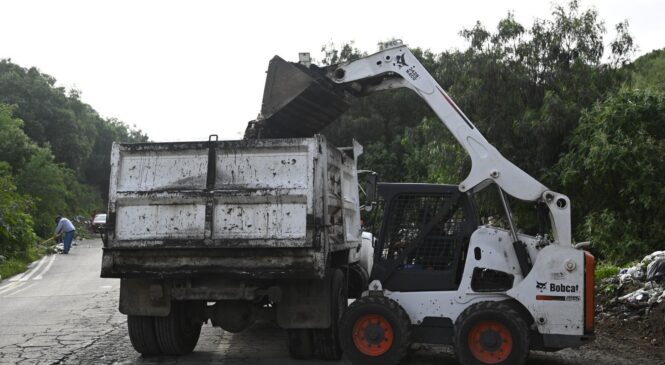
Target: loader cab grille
{"x": 425, "y": 234}
{"x": 411, "y": 213}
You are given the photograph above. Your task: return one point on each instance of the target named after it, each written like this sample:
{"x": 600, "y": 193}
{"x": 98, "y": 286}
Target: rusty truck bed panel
{"x": 278, "y": 194}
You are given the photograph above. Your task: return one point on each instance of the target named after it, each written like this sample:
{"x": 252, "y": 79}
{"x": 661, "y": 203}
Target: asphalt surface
{"x": 61, "y": 312}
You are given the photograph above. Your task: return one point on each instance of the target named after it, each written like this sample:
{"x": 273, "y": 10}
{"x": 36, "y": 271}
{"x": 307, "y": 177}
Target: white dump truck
{"x": 231, "y": 232}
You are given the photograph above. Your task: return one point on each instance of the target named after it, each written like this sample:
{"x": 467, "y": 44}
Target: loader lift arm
{"x": 397, "y": 67}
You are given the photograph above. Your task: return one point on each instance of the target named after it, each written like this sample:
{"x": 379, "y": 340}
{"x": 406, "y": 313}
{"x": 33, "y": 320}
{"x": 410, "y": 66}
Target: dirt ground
{"x": 636, "y": 333}
{"x": 643, "y": 336}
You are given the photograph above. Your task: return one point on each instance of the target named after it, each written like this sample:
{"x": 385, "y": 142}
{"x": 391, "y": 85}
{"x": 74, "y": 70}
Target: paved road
{"x": 61, "y": 312}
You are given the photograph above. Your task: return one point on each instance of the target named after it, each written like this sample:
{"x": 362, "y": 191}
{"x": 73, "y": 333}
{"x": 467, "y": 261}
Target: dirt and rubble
{"x": 630, "y": 308}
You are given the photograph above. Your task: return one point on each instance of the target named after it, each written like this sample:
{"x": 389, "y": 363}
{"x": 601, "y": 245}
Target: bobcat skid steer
{"x": 438, "y": 275}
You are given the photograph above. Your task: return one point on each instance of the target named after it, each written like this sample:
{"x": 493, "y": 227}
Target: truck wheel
{"x": 177, "y": 333}
{"x": 326, "y": 340}
{"x": 491, "y": 333}
{"x": 358, "y": 281}
{"x": 142, "y": 335}
{"x": 375, "y": 330}
{"x": 300, "y": 343}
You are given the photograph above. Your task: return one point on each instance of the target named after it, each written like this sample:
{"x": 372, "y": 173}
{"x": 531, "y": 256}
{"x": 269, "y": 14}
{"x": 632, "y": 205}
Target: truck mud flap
{"x": 305, "y": 304}
{"x": 140, "y": 297}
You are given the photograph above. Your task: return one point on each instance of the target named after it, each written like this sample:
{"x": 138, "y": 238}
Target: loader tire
{"x": 326, "y": 340}
{"x": 177, "y": 333}
{"x": 300, "y": 343}
{"x": 375, "y": 330}
{"x": 142, "y": 335}
{"x": 491, "y": 333}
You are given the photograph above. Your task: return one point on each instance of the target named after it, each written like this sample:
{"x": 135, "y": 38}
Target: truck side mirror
{"x": 371, "y": 180}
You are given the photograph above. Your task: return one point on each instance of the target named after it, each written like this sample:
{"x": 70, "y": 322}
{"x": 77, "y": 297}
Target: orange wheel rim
{"x": 490, "y": 342}
{"x": 373, "y": 335}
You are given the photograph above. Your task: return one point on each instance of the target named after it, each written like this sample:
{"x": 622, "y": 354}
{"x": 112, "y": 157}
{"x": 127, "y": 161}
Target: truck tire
{"x": 300, "y": 343}
{"x": 375, "y": 330}
{"x": 177, "y": 333}
{"x": 358, "y": 279}
{"x": 142, "y": 335}
{"x": 491, "y": 333}
{"x": 326, "y": 340}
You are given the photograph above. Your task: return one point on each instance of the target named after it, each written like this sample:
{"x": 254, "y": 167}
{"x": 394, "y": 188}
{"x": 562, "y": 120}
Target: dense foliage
{"x": 532, "y": 91}
{"x": 16, "y": 232}
{"x": 55, "y": 118}
{"x": 648, "y": 71}
{"x": 615, "y": 170}
{"x": 54, "y": 158}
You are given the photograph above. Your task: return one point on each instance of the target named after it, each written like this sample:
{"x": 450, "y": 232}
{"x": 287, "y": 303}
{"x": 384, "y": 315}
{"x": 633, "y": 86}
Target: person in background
{"x": 66, "y": 228}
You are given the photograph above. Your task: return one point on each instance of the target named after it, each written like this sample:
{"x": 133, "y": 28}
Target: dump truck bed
{"x": 254, "y": 208}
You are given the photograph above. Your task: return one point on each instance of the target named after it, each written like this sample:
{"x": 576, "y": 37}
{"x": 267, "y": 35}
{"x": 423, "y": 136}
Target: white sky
{"x": 183, "y": 70}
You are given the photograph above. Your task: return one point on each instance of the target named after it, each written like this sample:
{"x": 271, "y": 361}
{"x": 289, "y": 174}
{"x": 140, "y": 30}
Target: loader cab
{"x": 423, "y": 236}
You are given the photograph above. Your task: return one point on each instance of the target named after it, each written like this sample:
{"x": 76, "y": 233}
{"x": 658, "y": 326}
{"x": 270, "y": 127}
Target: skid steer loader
{"x": 438, "y": 275}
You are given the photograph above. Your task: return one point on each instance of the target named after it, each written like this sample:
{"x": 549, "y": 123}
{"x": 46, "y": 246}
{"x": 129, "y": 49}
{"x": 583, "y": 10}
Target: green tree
{"x": 51, "y": 187}
{"x": 16, "y": 233}
{"x": 524, "y": 87}
{"x": 45, "y": 181}
{"x": 614, "y": 173}
{"x": 15, "y": 146}
{"x": 648, "y": 71}
{"x": 54, "y": 118}
{"x": 47, "y": 111}
{"x": 432, "y": 152}
{"x": 55, "y": 191}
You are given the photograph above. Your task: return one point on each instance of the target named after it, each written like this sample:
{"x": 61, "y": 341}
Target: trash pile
{"x": 60, "y": 247}
{"x": 635, "y": 290}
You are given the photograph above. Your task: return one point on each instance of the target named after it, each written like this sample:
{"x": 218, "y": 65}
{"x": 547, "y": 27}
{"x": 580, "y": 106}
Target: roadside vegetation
{"x": 54, "y": 159}
{"x": 604, "y": 271}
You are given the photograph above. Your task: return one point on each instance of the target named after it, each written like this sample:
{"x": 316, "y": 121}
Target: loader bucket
{"x": 299, "y": 101}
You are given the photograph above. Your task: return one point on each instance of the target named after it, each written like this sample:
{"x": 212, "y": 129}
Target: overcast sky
{"x": 181, "y": 70}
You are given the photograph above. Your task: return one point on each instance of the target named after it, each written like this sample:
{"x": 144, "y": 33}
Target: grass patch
{"x": 604, "y": 271}
{"x": 16, "y": 265}
{"x": 12, "y": 267}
